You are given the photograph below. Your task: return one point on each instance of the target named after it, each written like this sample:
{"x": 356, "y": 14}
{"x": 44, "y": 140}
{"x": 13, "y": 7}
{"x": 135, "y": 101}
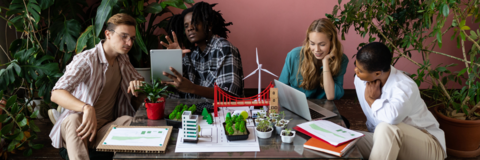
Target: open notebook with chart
{"x": 142, "y": 139}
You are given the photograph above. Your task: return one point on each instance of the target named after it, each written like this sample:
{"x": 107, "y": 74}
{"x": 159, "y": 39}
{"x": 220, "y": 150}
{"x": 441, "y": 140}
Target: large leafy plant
{"x": 18, "y": 127}
{"x": 405, "y": 27}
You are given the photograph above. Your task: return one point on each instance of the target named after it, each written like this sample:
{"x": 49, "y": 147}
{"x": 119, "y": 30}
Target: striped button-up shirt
{"x": 85, "y": 78}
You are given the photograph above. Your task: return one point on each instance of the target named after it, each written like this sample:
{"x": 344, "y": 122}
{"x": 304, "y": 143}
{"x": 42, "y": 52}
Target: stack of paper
{"x": 328, "y": 137}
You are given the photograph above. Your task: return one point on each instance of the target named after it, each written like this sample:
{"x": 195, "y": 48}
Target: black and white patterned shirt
{"x": 219, "y": 63}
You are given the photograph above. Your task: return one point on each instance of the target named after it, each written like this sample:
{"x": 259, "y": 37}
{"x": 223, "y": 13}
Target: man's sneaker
{"x": 53, "y": 115}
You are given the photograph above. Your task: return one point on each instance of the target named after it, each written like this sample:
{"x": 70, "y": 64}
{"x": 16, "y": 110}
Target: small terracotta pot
{"x": 461, "y": 136}
{"x": 155, "y": 110}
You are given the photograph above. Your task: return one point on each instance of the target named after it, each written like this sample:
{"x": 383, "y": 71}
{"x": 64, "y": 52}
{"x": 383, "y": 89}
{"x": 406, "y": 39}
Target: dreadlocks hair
{"x": 203, "y": 13}
{"x": 175, "y": 24}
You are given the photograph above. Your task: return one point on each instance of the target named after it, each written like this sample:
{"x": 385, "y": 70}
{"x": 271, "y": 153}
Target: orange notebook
{"x": 319, "y": 145}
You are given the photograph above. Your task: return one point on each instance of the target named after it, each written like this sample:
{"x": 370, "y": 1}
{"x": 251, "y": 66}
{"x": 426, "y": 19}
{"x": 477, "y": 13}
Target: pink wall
{"x": 275, "y": 27}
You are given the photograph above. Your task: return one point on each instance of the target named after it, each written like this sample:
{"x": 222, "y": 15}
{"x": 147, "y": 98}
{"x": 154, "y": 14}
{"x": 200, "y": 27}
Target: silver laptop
{"x": 296, "y": 101}
{"x": 162, "y": 59}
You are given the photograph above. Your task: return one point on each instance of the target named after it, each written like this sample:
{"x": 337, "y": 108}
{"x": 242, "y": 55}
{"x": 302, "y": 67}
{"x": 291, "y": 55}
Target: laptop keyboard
{"x": 314, "y": 114}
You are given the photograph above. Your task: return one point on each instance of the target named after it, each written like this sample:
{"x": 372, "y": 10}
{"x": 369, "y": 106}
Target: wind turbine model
{"x": 259, "y": 69}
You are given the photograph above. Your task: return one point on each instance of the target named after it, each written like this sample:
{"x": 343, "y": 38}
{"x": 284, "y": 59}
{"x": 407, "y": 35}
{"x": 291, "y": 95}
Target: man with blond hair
{"x": 96, "y": 89}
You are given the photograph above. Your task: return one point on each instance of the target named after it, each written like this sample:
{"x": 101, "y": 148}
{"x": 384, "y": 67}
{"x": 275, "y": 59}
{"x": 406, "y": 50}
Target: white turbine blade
{"x": 269, "y": 72}
{"x": 257, "y": 56}
{"x": 251, "y": 74}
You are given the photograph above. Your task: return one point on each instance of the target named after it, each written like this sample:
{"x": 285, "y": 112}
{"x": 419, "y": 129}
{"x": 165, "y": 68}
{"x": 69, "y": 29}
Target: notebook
{"x": 318, "y": 145}
{"x": 139, "y": 139}
{"x": 328, "y": 132}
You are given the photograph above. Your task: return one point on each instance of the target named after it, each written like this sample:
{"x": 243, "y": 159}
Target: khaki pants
{"x": 401, "y": 141}
{"x": 78, "y": 148}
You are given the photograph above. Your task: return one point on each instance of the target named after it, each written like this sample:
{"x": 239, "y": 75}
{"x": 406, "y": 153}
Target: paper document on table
{"x": 140, "y": 139}
{"x": 136, "y": 137}
{"x": 212, "y": 137}
{"x": 329, "y": 132}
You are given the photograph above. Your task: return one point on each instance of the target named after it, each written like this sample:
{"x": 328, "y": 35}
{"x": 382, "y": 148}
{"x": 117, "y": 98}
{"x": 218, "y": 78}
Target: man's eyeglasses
{"x": 125, "y": 37}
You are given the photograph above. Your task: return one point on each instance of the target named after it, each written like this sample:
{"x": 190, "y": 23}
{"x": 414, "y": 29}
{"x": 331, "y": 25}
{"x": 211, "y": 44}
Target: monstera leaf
{"x": 103, "y": 13}
{"x": 30, "y": 11}
{"x": 67, "y": 33}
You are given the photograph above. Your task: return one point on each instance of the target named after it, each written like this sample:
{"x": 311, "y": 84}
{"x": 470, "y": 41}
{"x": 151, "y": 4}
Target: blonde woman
{"x": 317, "y": 68}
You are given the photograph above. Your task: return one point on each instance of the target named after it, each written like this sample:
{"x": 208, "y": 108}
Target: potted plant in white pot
{"x": 264, "y": 129}
{"x": 273, "y": 114}
{"x": 279, "y": 126}
{"x": 287, "y": 135}
{"x": 455, "y": 109}
{"x": 155, "y": 101}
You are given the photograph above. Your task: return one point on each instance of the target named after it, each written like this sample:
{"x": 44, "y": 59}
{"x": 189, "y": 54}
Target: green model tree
{"x": 230, "y": 130}
{"x": 179, "y": 116}
{"x": 242, "y": 127}
{"x": 228, "y": 119}
{"x": 179, "y": 107}
{"x": 229, "y": 115}
{"x": 234, "y": 118}
{"x": 239, "y": 118}
{"x": 237, "y": 125}
{"x": 173, "y": 114}
{"x": 209, "y": 119}
{"x": 193, "y": 108}
{"x": 205, "y": 113}
{"x": 228, "y": 123}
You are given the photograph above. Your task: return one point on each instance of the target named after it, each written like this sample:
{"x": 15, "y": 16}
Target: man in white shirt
{"x": 400, "y": 125}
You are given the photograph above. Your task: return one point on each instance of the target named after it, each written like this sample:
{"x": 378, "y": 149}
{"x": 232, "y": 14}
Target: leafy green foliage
{"x": 407, "y": 27}
{"x": 287, "y": 131}
{"x": 263, "y": 125}
{"x": 154, "y": 91}
{"x": 18, "y": 130}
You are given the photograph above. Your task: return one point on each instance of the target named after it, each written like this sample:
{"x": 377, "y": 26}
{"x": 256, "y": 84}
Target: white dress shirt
{"x": 400, "y": 102}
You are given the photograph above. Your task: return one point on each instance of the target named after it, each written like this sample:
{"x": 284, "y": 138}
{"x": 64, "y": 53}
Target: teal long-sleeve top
{"x": 289, "y": 76}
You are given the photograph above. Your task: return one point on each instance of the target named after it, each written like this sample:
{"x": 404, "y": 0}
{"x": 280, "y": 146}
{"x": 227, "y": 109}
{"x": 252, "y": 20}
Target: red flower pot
{"x": 155, "y": 110}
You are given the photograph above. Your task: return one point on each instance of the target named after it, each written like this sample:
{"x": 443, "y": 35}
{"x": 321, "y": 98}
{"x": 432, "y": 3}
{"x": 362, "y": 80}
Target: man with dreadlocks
{"x": 211, "y": 58}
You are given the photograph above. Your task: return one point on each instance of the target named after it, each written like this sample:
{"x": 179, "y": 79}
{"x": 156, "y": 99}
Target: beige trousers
{"x": 401, "y": 141}
{"x": 78, "y": 148}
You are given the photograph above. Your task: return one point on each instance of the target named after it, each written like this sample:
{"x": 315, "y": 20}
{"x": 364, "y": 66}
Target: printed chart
{"x": 136, "y": 137}
{"x": 213, "y": 139}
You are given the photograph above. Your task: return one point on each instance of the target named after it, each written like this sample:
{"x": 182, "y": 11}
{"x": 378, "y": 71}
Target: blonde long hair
{"x": 310, "y": 66}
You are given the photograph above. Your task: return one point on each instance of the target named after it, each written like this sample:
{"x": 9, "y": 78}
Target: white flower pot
{"x": 37, "y": 102}
{"x": 279, "y": 129}
{"x": 264, "y": 134}
{"x": 287, "y": 139}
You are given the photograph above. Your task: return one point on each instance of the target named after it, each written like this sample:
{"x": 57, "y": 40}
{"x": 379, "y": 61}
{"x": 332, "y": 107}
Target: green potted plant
{"x": 287, "y": 135}
{"x": 264, "y": 129}
{"x": 407, "y": 27}
{"x": 155, "y": 101}
{"x": 279, "y": 126}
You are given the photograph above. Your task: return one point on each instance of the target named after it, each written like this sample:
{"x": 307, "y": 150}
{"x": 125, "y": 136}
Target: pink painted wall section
{"x": 277, "y": 26}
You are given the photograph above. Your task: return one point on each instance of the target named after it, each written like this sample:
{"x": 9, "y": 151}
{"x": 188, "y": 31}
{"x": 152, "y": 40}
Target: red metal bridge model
{"x": 223, "y": 99}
